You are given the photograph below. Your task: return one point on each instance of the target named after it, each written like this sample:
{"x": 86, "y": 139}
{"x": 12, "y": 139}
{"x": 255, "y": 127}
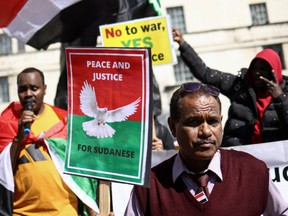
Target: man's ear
{"x": 172, "y": 126}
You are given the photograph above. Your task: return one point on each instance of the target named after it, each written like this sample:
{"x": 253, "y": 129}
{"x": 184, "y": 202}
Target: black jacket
{"x": 242, "y": 114}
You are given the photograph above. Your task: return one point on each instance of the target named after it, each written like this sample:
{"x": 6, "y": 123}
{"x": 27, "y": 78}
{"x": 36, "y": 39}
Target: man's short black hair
{"x": 178, "y": 94}
{"x": 31, "y": 70}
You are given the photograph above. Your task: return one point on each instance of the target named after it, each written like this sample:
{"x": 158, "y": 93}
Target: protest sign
{"x": 153, "y": 32}
{"x": 109, "y": 113}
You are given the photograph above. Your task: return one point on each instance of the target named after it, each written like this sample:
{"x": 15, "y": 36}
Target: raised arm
{"x": 222, "y": 80}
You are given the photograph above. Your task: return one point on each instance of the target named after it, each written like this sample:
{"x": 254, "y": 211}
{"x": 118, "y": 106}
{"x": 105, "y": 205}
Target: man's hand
{"x": 27, "y": 116}
{"x": 91, "y": 212}
{"x": 273, "y": 87}
{"x": 157, "y": 144}
{"x": 98, "y": 214}
{"x": 177, "y": 36}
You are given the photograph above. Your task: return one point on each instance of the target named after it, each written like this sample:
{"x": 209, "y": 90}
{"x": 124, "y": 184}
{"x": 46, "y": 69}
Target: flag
{"x": 201, "y": 197}
{"x": 55, "y": 140}
{"x": 40, "y": 23}
{"x": 6, "y": 183}
{"x": 84, "y": 188}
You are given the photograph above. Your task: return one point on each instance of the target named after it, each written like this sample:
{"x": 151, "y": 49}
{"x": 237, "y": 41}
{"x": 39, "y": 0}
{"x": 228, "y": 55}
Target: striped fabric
{"x": 40, "y": 23}
{"x": 6, "y": 183}
{"x": 55, "y": 140}
{"x": 82, "y": 187}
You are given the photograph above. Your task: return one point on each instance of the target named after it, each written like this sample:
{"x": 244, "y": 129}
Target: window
{"x": 177, "y": 18}
{"x": 4, "y": 90}
{"x": 21, "y": 46}
{"x": 5, "y": 44}
{"x": 277, "y": 48}
{"x": 259, "y": 14}
{"x": 182, "y": 72}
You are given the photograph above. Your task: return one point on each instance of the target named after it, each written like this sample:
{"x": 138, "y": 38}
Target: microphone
{"x": 28, "y": 106}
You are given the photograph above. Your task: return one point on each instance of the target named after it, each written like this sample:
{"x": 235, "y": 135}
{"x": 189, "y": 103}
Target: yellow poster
{"x": 153, "y": 32}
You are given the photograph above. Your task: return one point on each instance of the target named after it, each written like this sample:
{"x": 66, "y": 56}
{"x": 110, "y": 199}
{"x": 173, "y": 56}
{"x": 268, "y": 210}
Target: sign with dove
{"x": 98, "y": 127}
{"x": 109, "y": 122}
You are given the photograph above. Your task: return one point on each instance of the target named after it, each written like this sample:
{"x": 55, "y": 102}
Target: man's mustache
{"x": 205, "y": 141}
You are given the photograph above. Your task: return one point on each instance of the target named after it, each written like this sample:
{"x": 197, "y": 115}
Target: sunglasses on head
{"x": 194, "y": 87}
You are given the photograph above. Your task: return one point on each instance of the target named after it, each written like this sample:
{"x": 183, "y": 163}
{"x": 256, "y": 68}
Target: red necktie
{"x": 202, "y": 181}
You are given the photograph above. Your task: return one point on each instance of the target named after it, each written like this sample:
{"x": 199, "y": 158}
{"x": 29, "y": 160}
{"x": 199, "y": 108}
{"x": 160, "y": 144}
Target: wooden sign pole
{"x": 104, "y": 187}
{"x": 104, "y": 197}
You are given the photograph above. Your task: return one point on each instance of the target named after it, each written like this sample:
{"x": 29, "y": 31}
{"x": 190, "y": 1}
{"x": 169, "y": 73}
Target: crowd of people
{"x": 229, "y": 186}
{"x": 201, "y": 178}
{"x": 260, "y": 92}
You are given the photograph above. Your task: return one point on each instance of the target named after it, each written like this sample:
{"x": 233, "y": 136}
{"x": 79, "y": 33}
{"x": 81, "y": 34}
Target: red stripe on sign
{"x": 9, "y": 10}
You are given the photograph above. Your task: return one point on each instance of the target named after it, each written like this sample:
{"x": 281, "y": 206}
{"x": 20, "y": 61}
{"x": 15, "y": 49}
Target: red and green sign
{"x": 109, "y": 106}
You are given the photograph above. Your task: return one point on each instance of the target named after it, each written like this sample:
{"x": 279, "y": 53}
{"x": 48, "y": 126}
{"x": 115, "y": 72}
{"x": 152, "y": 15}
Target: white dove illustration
{"x": 98, "y": 126}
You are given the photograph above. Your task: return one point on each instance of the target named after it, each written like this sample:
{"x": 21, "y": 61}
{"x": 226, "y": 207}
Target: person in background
{"x": 31, "y": 179}
{"x": 202, "y": 178}
{"x": 259, "y": 101}
{"x": 163, "y": 139}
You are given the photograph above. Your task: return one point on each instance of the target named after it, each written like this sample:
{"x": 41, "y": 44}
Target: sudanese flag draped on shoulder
{"x": 55, "y": 140}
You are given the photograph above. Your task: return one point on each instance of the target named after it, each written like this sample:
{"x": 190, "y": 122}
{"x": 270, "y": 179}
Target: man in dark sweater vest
{"x": 237, "y": 183}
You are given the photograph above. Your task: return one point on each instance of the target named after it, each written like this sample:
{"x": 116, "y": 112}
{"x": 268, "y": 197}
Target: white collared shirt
{"x": 179, "y": 168}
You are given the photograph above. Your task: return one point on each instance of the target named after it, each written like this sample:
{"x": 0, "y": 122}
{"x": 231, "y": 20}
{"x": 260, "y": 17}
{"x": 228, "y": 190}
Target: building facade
{"x": 226, "y": 34}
